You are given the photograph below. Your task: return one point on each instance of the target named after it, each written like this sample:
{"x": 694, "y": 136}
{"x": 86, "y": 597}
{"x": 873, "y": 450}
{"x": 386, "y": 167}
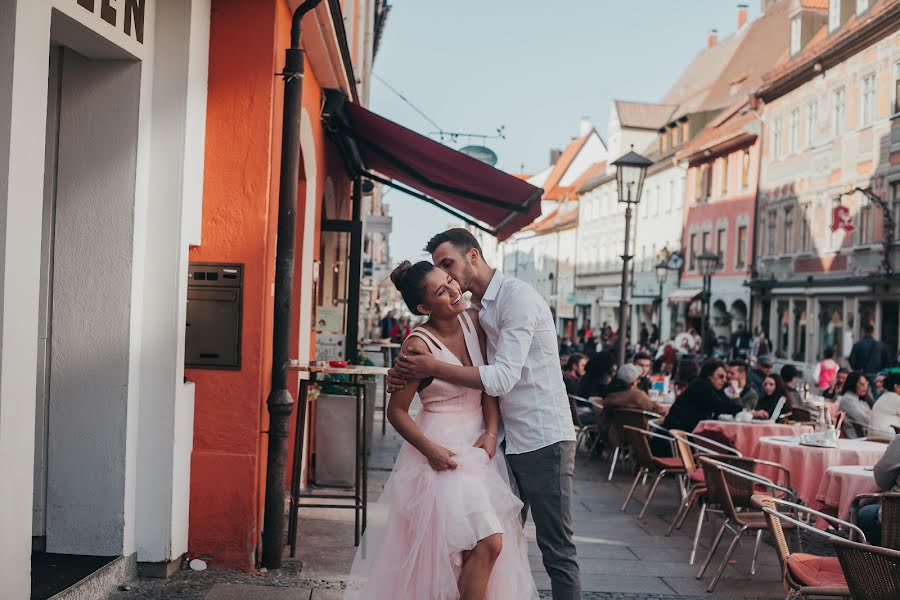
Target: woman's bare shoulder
{"x": 414, "y": 342}
{"x": 473, "y": 314}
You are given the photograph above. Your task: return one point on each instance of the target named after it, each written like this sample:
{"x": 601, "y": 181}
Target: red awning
{"x": 453, "y": 181}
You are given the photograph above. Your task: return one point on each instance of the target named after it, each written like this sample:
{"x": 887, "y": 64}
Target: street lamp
{"x": 707, "y": 263}
{"x": 630, "y": 172}
{"x": 662, "y": 272}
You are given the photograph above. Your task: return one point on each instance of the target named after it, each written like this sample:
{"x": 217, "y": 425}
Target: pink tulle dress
{"x": 425, "y": 520}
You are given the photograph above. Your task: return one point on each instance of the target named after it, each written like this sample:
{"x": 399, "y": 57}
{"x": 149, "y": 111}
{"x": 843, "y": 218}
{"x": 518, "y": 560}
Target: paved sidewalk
{"x": 620, "y": 557}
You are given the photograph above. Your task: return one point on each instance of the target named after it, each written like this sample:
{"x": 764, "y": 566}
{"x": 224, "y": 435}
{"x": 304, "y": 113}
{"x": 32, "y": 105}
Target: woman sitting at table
{"x": 773, "y": 391}
{"x": 886, "y": 412}
{"x": 703, "y": 399}
{"x": 853, "y": 404}
{"x": 597, "y": 375}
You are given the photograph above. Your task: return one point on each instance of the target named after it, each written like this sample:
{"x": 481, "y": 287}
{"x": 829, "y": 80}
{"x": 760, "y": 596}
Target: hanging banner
{"x": 841, "y": 219}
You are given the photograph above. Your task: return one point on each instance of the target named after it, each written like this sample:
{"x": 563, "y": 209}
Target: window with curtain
{"x": 707, "y": 238}
{"x": 831, "y": 328}
{"x": 721, "y": 241}
{"x": 705, "y": 182}
{"x": 799, "y": 337}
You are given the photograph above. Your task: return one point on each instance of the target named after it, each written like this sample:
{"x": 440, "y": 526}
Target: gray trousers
{"x": 545, "y": 479}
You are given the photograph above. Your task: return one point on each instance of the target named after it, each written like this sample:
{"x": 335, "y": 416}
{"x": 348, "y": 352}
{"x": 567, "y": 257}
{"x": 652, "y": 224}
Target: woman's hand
{"x": 440, "y": 458}
{"x": 488, "y": 443}
{"x": 760, "y": 414}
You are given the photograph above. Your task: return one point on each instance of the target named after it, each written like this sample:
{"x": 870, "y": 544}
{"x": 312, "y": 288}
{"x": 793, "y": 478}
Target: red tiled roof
{"x": 643, "y": 115}
{"x": 730, "y": 125}
{"x": 882, "y": 18}
{"x": 560, "y": 217}
{"x": 592, "y": 171}
{"x": 814, "y": 4}
{"x": 565, "y": 161}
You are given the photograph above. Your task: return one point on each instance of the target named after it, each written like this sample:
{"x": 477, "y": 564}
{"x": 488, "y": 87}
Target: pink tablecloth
{"x": 841, "y": 485}
{"x": 808, "y": 464}
{"x": 746, "y": 436}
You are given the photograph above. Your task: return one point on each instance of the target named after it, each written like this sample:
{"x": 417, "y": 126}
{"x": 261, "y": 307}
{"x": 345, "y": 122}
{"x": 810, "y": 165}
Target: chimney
{"x": 555, "y": 153}
{"x": 585, "y": 126}
{"x": 741, "y": 16}
{"x": 713, "y": 38}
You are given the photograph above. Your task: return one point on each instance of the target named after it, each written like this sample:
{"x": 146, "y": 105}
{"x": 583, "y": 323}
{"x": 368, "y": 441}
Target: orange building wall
{"x": 240, "y": 207}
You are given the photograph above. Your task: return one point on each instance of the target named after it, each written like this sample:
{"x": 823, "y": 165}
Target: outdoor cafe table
{"x": 745, "y": 436}
{"x": 808, "y": 464}
{"x": 841, "y": 485}
{"x": 385, "y": 348}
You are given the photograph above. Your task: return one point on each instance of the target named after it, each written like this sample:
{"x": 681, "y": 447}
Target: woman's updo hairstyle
{"x": 409, "y": 279}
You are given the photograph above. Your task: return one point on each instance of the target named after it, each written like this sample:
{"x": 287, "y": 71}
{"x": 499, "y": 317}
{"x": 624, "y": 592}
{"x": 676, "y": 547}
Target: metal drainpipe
{"x": 280, "y": 403}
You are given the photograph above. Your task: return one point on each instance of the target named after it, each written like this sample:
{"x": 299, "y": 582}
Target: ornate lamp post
{"x": 707, "y": 263}
{"x": 662, "y": 273}
{"x": 630, "y": 172}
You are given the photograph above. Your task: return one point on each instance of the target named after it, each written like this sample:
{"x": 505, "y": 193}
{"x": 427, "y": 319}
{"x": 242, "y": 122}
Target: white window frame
{"x": 794, "y": 131}
{"x": 795, "y": 35}
{"x": 834, "y": 15}
{"x": 776, "y": 137}
{"x": 812, "y": 121}
{"x": 839, "y": 110}
{"x": 868, "y": 95}
{"x": 862, "y": 6}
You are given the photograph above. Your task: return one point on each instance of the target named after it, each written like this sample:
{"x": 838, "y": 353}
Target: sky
{"x": 535, "y": 67}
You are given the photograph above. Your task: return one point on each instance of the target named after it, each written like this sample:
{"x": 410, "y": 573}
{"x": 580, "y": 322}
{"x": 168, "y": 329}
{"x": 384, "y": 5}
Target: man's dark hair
{"x": 710, "y": 367}
{"x": 891, "y": 380}
{"x": 852, "y": 379}
{"x": 868, "y": 328}
{"x": 573, "y": 360}
{"x": 789, "y": 373}
{"x": 462, "y": 240}
{"x": 828, "y": 352}
{"x": 843, "y": 370}
{"x": 641, "y": 356}
{"x": 739, "y": 364}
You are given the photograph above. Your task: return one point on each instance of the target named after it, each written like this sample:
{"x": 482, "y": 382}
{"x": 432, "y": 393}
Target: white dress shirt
{"x": 524, "y": 370}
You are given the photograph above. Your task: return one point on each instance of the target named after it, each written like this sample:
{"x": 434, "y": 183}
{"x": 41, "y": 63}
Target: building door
{"x": 42, "y": 384}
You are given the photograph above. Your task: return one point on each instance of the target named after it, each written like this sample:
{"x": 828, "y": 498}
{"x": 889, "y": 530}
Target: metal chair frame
{"x": 645, "y": 470}
{"x": 731, "y": 514}
{"x": 613, "y": 423}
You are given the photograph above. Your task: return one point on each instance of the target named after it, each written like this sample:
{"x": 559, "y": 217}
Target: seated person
{"x": 573, "y": 372}
{"x": 854, "y": 405}
{"x": 834, "y": 391}
{"x": 643, "y": 360}
{"x": 738, "y": 389}
{"x": 773, "y": 391}
{"x": 887, "y": 476}
{"x": 886, "y": 412}
{"x": 630, "y": 396}
{"x": 703, "y": 399}
{"x": 791, "y": 376}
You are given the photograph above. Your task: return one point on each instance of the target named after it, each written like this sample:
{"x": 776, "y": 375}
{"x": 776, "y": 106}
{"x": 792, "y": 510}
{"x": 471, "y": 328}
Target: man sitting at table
{"x": 703, "y": 399}
{"x": 887, "y": 476}
{"x": 738, "y": 389}
{"x": 758, "y": 374}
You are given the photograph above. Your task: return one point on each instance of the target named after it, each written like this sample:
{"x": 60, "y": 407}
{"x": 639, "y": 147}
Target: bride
{"x": 447, "y": 525}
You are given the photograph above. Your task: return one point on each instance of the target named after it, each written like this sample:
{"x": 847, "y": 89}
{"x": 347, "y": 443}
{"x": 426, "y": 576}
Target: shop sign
{"x": 841, "y": 219}
{"x": 330, "y": 346}
{"x": 329, "y": 319}
{"x": 131, "y": 11}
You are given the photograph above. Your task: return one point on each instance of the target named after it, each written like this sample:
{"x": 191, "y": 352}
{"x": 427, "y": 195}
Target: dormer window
{"x": 834, "y": 14}
{"x": 861, "y": 6}
{"x": 795, "y": 35}
{"x": 663, "y": 140}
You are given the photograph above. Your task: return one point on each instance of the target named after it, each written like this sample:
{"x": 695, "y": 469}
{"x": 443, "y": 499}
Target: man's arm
{"x": 888, "y": 466}
{"x": 517, "y": 320}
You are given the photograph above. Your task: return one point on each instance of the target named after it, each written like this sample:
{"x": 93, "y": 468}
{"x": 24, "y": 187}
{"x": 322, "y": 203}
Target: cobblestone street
{"x": 620, "y": 557}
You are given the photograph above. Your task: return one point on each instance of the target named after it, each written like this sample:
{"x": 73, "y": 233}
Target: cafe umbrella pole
{"x": 280, "y": 403}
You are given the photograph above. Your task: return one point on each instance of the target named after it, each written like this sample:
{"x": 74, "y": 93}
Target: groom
{"x": 524, "y": 372}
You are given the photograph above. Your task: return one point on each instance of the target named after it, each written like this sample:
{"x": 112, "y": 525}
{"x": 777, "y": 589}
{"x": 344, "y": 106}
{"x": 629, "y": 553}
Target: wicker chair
{"x": 804, "y": 575}
{"x": 734, "y": 488}
{"x": 890, "y": 515}
{"x": 582, "y": 430}
{"x": 620, "y": 418}
{"x": 872, "y": 572}
{"x": 639, "y": 439}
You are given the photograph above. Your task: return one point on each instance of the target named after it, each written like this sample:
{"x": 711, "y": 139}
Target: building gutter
{"x": 280, "y": 403}
{"x": 337, "y": 17}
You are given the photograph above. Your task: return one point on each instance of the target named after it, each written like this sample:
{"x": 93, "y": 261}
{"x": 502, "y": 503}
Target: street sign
{"x": 841, "y": 219}
{"x": 367, "y": 268}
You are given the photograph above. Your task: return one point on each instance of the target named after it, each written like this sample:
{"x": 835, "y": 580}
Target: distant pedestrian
{"x": 760, "y": 345}
{"x": 826, "y": 370}
{"x": 387, "y": 325}
{"x": 870, "y": 355}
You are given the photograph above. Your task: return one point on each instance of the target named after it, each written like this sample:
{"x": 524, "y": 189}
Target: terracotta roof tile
{"x": 732, "y": 123}
{"x": 814, "y": 4}
{"x": 643, "y": 115}
{"x": 592, "y": 171}
{"x": 881, "y": 11}
{"x": 565, "y": 160}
